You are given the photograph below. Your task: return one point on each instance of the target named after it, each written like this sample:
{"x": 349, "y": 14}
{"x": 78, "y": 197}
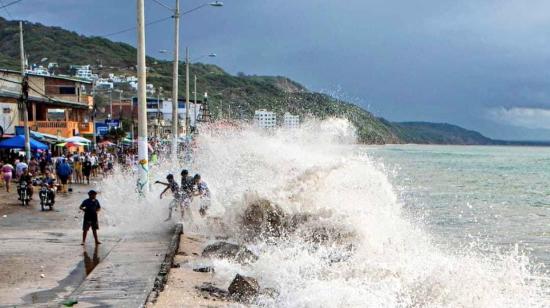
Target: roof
{"x": 53, "y": 100}
{"x": 54, "y": 77}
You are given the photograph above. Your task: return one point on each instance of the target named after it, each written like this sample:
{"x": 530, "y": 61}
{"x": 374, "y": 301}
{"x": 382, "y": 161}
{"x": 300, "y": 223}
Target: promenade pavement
{"x": 42, "y": 262}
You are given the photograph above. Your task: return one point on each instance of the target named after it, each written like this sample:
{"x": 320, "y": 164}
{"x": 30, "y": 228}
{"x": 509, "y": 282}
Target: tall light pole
{"x": 175, "y": 103}
{"x": 175, "y": 69}
{"x": 187, "y": 91}
{"x": 195, "y": 103}
{"x": 143, "y": 172}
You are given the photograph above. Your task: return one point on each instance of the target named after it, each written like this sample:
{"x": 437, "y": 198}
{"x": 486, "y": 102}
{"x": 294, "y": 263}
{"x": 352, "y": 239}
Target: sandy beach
{"x": 181, "y": 289}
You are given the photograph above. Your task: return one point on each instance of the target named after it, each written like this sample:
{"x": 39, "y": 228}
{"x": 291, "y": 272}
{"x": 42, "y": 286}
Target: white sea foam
{"x": 386, "y": 261}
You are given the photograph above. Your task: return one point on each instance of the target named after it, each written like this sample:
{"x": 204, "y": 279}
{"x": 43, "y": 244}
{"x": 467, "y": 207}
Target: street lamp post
{"x": 142, "y": 101}
{"x": 175, "y": 103}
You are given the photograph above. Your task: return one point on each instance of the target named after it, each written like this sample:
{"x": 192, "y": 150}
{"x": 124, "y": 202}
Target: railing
{"x": 50, "y": 124}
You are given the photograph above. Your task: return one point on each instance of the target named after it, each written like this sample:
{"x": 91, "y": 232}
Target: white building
{"x": 195, "y": 111}
{"x": 103, "y": 83}
{"x": 131, "y": 79}
{"x": 84, "y": 72}
{"x": 265, "y": 119}
{"x": 291, "y": 121}
{"x": 39, "y": 70}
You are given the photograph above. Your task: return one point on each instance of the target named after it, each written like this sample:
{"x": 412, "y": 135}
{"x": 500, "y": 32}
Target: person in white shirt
{"x": 20, "y": 167}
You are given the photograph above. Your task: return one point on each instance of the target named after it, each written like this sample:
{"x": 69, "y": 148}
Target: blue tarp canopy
{"x": 18, "y": 142}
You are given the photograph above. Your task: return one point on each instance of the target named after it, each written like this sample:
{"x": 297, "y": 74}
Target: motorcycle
{"x": 23, "y": 191}
{"x": 45, "y": 195}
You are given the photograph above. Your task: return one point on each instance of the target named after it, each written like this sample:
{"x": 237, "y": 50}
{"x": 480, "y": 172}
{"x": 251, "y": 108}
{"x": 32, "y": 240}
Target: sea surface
{"x": 496, "y": 196}
{"x": 367, "y": 226}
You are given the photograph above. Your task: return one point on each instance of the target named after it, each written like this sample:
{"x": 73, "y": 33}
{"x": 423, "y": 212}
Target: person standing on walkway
{"x": 87, "y": 169}
{"x": 90, "y": 207}
{"x": 64, "y": 171}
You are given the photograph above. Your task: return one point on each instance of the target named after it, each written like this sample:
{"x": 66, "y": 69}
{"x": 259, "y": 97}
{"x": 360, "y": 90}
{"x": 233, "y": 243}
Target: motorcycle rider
{"x": 27, "y": 178}
{"x": 49, "y": 181}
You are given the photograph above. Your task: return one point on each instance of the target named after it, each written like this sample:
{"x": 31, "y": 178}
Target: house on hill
{"x": 56, "y": 105}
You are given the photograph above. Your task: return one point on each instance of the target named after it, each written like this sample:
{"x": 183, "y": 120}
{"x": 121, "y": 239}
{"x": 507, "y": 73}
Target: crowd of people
{"x": 59, "y": 172}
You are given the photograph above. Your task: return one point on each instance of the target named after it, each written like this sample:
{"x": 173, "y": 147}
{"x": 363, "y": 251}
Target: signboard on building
{"x": 19, "y": 130}
{"x": 101, "y": 129}
{"x": 112, "y": 123}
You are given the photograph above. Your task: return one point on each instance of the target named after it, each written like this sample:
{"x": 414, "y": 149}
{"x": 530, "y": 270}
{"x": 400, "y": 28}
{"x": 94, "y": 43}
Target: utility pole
{"x": 175, "y": 72}
{"x": 142, "y": 101}
{"x": 187, "y": 91}
{"x": 24, "y": 96}
{"x": 110, "y": 104}
{"x": 195, "y": 104}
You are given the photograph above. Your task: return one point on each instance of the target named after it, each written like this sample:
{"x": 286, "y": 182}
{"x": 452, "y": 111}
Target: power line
{"x": 9, "y": 4}
{"x": 162, "y": 4}
{"x": 6, "y": 9}
{"x": 133, "y": 28}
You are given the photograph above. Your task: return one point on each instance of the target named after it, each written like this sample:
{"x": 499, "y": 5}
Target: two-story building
{"x": 56, "y": 105}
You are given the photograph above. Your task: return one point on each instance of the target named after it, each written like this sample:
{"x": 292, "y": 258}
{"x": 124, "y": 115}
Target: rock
{"x": 206, "y": 269}
{"x": 243, "y": 288}
{"x": 262, "y": 217}
{"x": 212, "y": 290}
{"x": 42, "y": 276}
{"x": 225, "y": 250}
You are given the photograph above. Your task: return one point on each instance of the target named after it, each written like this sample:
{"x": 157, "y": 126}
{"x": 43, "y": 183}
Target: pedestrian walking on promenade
{"x": 90, "y": 207}
{"x": 7, "y": 174}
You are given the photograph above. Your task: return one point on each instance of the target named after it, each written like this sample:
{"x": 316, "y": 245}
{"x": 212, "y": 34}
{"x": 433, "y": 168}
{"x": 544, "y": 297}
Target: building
{"x": 82, "y": 71}
{"x": 291, "y": 121}
{"x": 104, "y": 84}
{"x": 265, "y": 119}
{"x": 57, "y": 105}
{"x": 159, "y": 113}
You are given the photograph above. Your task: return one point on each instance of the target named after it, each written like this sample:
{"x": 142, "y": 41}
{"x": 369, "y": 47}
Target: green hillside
{"x": 438, "y": 133}
{"x": 235, "y": 96}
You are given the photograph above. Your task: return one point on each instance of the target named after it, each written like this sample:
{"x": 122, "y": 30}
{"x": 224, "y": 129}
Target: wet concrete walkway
{"x": 127, "y": 275}
{"x": 42, "y": 262}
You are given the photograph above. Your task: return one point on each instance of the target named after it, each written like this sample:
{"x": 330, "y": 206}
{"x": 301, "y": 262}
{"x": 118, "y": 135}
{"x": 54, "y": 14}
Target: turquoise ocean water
{"x": 495, "y": 197}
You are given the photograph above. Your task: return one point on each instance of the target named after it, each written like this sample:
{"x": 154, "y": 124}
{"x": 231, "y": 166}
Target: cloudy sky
{"x": 481, "y": 64}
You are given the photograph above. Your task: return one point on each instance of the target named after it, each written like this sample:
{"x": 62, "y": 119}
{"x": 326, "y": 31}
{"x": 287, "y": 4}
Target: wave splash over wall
{"x": 343, "y": 238}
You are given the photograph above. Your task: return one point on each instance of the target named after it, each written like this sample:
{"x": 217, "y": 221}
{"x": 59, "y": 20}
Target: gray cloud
{"x": 432, "y": 60}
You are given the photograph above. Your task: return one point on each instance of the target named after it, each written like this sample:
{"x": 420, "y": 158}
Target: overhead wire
{"x": 133, "y": 28}
{"x": 6, "y": 9}
{"x": 10, "y": 4}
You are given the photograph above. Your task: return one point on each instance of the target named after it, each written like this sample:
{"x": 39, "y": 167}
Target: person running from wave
{"x": 172, "y": 185}
{"x": 200, "y": 189}
{"x": 186, "y": 188}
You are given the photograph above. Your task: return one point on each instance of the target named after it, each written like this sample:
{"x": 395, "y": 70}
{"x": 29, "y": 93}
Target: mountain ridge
{"x": 237, "y": 95}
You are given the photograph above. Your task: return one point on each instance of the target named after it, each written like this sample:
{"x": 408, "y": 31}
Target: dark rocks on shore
{"x": 225, "y": 250}
{"x": 213, "y": 291}
{"x": 205, "y": 269}
{"x": 244, "y": 288}
{"x": 263, "y": 218}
